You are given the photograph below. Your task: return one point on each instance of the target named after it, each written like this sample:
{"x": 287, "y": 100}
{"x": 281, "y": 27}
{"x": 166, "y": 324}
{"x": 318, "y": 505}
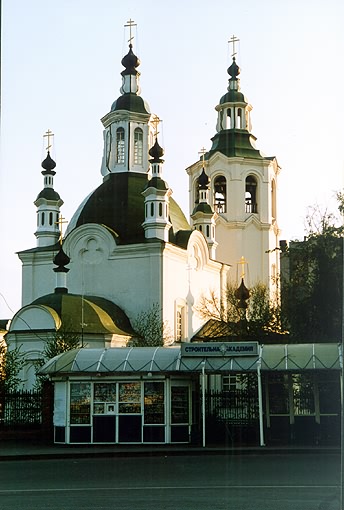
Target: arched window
{"x": 273, "y": 200}
{"x": 138, "y": 146}
{"x": 120, "y": 145}
{"x": 239, "y": 119}
{"x": 220, "y": 190}
{"x": 251, "y": 205}
{"x": 43, "y": 219}
{"x": 230, "y": 123}
{"x": 50, "y": 218}
{"x": 160, "y": 209}
{"x": 196, "y": 195}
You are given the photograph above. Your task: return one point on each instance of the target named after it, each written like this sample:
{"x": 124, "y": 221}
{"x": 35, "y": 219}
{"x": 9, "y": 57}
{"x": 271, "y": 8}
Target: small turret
{"x": 48, "y": 203}
{"x": 156, "y": 193}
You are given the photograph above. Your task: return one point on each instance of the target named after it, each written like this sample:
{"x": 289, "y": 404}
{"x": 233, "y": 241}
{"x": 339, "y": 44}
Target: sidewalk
{"x": 15, "y": 450}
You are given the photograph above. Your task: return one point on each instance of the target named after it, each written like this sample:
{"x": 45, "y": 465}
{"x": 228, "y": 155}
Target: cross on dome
{"x": 60, "y": 223}
{"x": 233, "y": 40}
{"x": 202, "y": 152}
{"x": 48, "y": 134}
{"x": 131, "y": 23}
{"x": 156, "y": 121}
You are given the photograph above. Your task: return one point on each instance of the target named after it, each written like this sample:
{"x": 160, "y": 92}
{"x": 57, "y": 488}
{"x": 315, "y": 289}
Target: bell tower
{"x": 243, "y": 188}
{"x": 128, "y": 130}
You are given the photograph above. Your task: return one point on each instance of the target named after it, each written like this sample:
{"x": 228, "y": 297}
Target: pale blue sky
{"x": 61, "y": 70}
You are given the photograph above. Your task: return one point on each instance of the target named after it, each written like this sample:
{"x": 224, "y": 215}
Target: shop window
{"x": 220, "y": 190}
{"x": 303, "y": 392}
{"x": 138, "y": 146}
{"x": 80, "y": 403}
{"x": 179, "y": 404}
{"x": 251, "y": 195}
{"x": 154, "y": 403}
{"x": 120, "y": 145}
{"x": 129, "y": 398}
{"x": 104, "y": 398}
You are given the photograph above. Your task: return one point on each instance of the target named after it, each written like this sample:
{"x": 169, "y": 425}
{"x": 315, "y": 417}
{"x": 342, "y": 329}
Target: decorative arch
{"x": 90, "y": 242}
{"x": 251, "y": 185}
{"x": 220, "y": 194}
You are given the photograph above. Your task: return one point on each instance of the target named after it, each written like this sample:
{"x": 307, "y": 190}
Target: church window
{"x": 220, "y": 194}
{"x": 146, "y": 210}
{"x": 50, "y": 218}
{"x": 200, "y": 228}
{"x": 273, "y": 200}
{"x": 120, "y": 145}
{"x": 152, "y": 209}
{"x": 251, "y": 195}
{"x": 179, "y": 325}
{"x": 160, "y": 209}
{"x": 196, "y": 192}
{"x": 208, "y": 231}
{"x": 43, "y": 218}
{"x": 180, "y": 320}
{"x": 138, "y": 146}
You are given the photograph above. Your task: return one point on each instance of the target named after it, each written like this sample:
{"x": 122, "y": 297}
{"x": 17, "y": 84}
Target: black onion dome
{"x": 61, "y": 259}
{"x": 130, "y": 62}
{"x": 242, "y": 294}
{"x": 203, "y": 180}
{"x": 156, "y": 152}
{"x": 49, "y": 194}
{"x": 130, "y": 102}
{"x": 48, "y": 164}
{"x": 233, "y": 96}
{"x": 204, "y": 208}
{"x": 233, "y": 70}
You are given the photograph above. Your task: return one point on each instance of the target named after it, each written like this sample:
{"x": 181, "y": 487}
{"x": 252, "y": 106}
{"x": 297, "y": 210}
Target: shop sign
{"x": 220, "y": 349}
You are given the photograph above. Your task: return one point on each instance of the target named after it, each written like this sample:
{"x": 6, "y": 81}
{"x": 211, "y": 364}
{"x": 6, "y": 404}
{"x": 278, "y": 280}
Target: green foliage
{"x": 11, "y": 363}
{"x": 63, "y": 340}
{"x": 312, "y": 287}
{"x": 152, "y": 331}
{"x": 260, "y": 319}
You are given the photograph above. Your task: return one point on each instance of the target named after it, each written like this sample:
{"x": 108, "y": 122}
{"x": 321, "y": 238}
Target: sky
{"x": 60, "y": 68}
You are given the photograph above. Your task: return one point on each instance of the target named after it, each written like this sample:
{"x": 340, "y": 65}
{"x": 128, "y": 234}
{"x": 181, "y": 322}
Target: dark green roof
{"x": 233, "y": 96}
{"x": 234, "y": 142}
{"x": 118, "y": 204}
{"x": 99, "y": 314}
{"x": 203, "y": 207}
{"x": 48, "y": 194}
{"x": 157, "y": 183}
{"x": 130, "y": 102}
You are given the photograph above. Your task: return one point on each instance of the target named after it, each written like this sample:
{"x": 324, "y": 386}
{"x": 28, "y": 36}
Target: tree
{"x": 312, "y": 286}
{"x": 11, "y": 363}
{"x": 152, "y": 330}
{"x": 261, "y": 318}
{"x": 64, "y": 339}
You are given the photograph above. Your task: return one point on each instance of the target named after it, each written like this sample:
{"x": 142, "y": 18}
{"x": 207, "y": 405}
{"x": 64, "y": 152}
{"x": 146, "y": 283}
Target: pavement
{"x": 31, "y": 450}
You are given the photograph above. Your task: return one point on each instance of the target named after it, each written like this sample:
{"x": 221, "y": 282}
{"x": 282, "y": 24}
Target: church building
{"x": 129, "y": 247}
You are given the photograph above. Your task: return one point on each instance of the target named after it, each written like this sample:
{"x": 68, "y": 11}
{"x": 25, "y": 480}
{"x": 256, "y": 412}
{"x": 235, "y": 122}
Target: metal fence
{"x": 21, "y": 409}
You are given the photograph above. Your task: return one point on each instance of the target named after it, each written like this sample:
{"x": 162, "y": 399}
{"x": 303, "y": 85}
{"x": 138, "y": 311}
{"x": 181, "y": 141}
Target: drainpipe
{"x": 260, "y": 397}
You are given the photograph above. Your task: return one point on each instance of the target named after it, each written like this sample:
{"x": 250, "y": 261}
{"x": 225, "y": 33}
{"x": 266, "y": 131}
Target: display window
{"x": 80, "y": 403}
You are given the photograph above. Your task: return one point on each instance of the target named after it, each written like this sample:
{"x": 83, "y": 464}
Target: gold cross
{"x": 130, "y": 24}
{"x": 48, "y": 134}
{"x": 202, "y": 151}
{"x": 60, "y": 222}
{"x": 233, "y": 40}
{"x": 156, "y": 121}
{"x": 242, "y": 263}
